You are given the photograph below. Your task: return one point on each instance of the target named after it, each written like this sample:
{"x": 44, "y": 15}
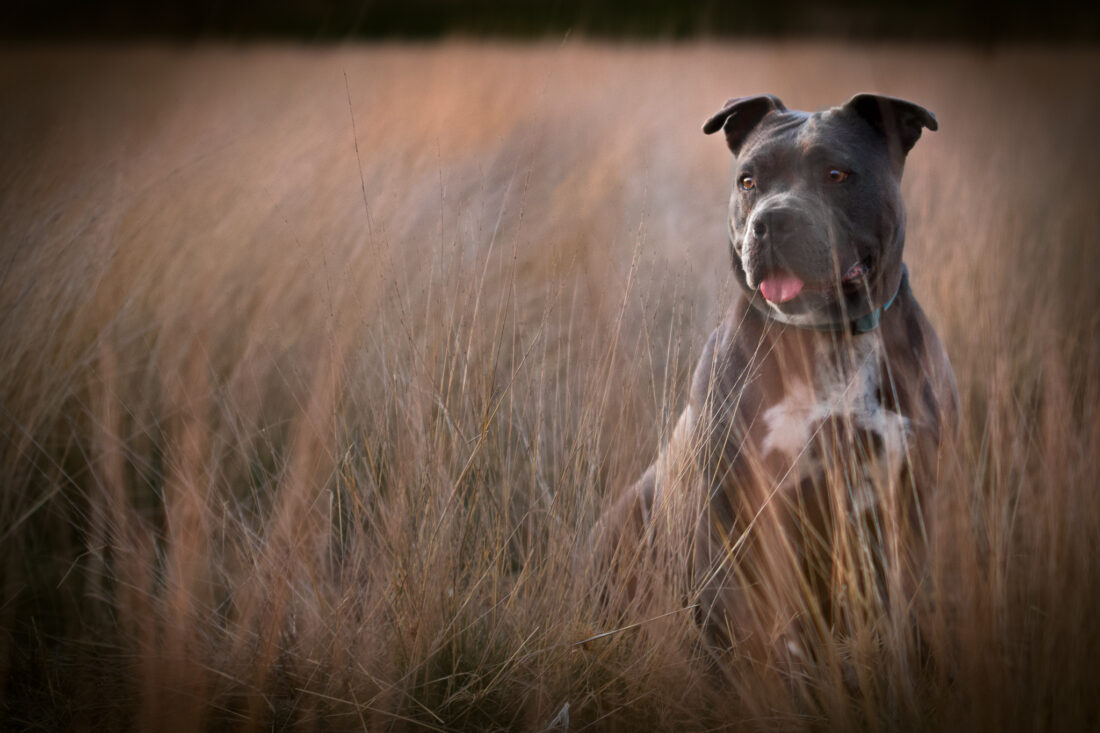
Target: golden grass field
{"x": 319, "y": 364}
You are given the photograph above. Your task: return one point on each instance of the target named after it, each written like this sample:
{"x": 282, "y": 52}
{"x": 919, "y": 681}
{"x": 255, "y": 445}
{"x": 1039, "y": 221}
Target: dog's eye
{"x": 835, "y": 175}
{"x": 747, "y": 182}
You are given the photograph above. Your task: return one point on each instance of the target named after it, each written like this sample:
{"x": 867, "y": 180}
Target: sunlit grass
{"x": 307, "y": 428}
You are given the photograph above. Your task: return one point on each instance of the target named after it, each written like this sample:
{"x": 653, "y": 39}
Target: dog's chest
{"x": 836, "y": 420}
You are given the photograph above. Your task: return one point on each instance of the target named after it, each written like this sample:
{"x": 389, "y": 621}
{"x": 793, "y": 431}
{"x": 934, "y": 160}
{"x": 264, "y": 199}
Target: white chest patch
{"x": 845, "y": 391}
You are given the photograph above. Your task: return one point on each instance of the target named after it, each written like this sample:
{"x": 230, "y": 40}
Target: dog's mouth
{"x": 783, "y": 286}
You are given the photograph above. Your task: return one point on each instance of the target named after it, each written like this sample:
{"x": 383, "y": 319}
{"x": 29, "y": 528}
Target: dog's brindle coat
{"x": 822, "y": 400}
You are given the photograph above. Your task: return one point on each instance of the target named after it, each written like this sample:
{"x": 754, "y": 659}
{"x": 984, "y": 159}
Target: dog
{"x": 823, "y": 401}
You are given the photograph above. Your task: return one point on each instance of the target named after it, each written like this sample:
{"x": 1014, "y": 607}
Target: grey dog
{"x": 821, "y": 405}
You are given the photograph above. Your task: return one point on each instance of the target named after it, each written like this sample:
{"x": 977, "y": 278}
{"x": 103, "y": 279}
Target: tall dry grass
{"x": 318, "y": 366}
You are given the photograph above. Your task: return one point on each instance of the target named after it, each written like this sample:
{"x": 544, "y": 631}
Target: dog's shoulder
{"x": 725, "y": 364}
{"x": 919, "y": 366}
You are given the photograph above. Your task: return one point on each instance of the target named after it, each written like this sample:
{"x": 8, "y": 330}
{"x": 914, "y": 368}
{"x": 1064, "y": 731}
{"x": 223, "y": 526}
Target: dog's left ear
{"x": 899, "y": 121}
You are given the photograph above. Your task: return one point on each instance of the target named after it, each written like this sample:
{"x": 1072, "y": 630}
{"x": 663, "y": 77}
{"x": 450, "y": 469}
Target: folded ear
{"x": 740, "y": 115}
{"x": 899, "y": 121}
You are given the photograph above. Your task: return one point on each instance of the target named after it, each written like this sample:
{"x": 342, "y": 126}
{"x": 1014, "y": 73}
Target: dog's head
{"x": 816, "y": 218}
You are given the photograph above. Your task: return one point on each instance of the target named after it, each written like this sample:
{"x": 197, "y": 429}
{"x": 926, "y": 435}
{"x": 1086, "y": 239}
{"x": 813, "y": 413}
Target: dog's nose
{"x": 772, "y": 225}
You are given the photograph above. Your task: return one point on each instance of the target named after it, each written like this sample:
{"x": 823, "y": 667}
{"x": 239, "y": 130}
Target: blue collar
{"x": 870, "y": 321}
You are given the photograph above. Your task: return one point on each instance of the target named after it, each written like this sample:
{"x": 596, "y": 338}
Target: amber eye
{"x": 835, "y": 175}
{"x": 747, "y": 182}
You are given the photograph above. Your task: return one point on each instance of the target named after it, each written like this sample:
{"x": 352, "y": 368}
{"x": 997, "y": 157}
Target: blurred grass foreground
{"x": 318, "y": 366}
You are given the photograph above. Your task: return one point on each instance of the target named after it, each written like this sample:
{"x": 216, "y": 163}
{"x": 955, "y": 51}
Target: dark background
{"x": 328, "y": 20}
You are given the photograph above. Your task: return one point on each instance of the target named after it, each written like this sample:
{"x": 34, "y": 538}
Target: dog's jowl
{"x": 820, "y": 404}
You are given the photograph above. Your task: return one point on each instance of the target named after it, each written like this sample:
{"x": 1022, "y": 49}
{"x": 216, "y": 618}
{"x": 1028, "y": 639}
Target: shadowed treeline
{"x": 977, "y": 20}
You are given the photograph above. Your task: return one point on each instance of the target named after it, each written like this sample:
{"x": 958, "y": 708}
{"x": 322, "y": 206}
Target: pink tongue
{"x": 781, "y": 288}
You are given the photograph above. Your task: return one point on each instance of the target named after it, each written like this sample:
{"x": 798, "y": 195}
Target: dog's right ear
{"x": 740, "y": 115}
